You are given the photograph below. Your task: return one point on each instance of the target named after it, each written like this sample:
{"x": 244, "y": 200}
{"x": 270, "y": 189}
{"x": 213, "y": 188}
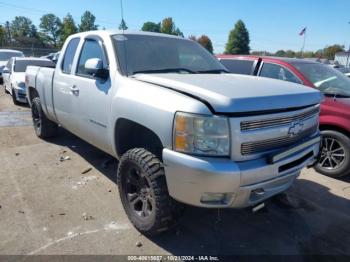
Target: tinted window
{"x": 91, "y": 49}
{"x": 236, "y": 66}
{"x": 69, "y": 55}
{"x": 4, "y": 56}
{"x": 278, "y": 72}
{"x": 325, "y": 78}
{"x": 140, "y": 53}
{"x": 21, "y": 65}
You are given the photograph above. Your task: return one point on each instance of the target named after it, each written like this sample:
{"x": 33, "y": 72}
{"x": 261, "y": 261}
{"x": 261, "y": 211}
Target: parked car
{"x": 347, "y": 74}
{"x": 5, "y": 55}
{"x": 335, "y": 110}
{"x": 14, "y": 76}
{"x": 181, "y": 127}
{"x": 52, "y": 56}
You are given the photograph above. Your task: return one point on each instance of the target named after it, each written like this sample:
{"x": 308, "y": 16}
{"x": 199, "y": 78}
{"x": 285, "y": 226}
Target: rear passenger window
{"x": 237, "y": 66}
{"x": 69, "y": 55}
{"x": 91, "y": 49}
{"x": 278, "y": 72}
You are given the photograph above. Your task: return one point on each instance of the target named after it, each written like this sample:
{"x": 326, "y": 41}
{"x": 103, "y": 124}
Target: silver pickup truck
{"x": 183, "y": 129}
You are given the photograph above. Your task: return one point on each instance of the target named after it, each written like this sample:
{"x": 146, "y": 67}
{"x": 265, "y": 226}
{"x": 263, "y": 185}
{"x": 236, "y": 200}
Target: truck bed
{"x": 41, "y": 79}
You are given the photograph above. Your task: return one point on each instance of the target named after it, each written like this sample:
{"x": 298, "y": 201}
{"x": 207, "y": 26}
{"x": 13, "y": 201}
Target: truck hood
{"x": 229, "y": 93}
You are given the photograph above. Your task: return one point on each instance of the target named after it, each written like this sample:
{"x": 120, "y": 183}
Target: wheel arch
{"x": 129, "y": 134}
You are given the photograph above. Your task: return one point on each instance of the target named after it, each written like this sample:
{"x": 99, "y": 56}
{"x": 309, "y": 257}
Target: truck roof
{"x": 10, "y": 50}
{"x": 31, "y": 59}
{"x": 271, "y": 58}
{"x": 126, "y": 32}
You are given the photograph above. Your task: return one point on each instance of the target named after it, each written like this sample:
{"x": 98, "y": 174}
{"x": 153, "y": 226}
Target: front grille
{"x": 21, "y": 95}
{"x": 257, "y": 124}
{"x": 256, "y": 147}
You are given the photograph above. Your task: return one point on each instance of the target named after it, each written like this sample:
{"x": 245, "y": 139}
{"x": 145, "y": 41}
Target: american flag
{"x": 303, "y": 31}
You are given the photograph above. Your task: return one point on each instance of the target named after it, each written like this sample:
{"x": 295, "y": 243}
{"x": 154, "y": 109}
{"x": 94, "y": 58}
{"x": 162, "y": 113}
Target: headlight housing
{"x": 21, "y": 85}
{"x": 201, "y": 135}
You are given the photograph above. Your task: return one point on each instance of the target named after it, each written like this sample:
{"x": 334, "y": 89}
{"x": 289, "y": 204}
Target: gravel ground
{"x": 51, "y": 207}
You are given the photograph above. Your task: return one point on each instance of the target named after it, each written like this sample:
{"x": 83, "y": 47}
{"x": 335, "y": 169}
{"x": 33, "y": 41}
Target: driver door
{"x": 94, "y": 95}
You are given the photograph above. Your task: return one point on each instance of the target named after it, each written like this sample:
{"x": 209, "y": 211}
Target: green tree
{"x": 123, "y": 25}
{"x": 20, "y": 26}
{"x": 238, "y": 40}
{"x": 290, "y": 53}
{"x": 192, "y": 37}
{"x": 68, "y": 28}
{"x": 151, "y": 27}
{"x": 3, "y": 39}
{"x": 330, "y": 51}
{"x": 206, "y": 43}
{"x": 280, "y": 53}
{"x": 51, "y": 27}
{"x": 168, "y": 27}
{"x": 87, "y": 22}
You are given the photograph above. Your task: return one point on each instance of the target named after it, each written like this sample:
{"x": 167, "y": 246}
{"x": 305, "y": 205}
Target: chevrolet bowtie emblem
{"x": 295, "y": 129}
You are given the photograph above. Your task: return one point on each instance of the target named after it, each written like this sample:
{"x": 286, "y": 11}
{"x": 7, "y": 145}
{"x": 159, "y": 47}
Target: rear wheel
{"x": 44, "y": 128}
{"x": 144, "y": 193}
{"x": 334, "y": 160}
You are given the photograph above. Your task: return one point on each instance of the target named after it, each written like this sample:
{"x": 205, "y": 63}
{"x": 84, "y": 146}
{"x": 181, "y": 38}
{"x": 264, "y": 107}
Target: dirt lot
{"x": 50, "y": 207}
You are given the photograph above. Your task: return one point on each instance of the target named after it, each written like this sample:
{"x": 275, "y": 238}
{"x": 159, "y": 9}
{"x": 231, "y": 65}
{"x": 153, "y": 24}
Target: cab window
{"x": 278, "y": 72}
{"x": 91, "y": 49}
{"x": 69, "y": 55}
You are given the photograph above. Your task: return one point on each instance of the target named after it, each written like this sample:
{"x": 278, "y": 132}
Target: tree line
{"x": 53, "y": 31}
{"x": 21, "y": 32}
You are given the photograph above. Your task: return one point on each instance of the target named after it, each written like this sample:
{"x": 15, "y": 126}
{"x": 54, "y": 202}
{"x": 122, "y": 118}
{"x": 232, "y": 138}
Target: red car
{"x": 334, "y": 160}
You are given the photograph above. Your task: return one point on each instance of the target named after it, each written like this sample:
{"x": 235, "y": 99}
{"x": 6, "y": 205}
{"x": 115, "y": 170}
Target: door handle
{"x": 74, "y": 90}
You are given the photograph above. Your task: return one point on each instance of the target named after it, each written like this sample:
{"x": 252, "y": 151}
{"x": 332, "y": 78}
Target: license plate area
{"x": 290, "y": 151}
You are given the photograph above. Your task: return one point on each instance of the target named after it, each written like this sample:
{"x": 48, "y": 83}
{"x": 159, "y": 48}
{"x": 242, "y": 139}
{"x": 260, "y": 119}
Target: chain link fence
{"x": 32, "y": 51}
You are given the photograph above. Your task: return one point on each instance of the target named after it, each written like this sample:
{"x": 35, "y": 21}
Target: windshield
{"x": 21, "y": 65}
{"x": 326, "y": 79}
{"x": 155, "y": 54}
{"x": 4, "y": 56}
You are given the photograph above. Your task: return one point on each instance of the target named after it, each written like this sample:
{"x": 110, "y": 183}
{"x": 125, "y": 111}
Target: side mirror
{"x": 5, "y": 71}
{"x": 94, "y": 67}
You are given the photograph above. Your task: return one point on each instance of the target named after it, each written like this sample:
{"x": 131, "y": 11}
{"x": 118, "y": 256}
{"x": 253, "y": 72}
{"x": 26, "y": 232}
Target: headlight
{"x": 21, "y": 84}
{"x": 201, "y": 135}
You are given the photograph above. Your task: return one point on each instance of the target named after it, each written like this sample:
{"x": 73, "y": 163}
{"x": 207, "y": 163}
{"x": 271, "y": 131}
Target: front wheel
{"x": 144, "y": 193}
{"x": 334, "y": 160}
{"x": 44, "y": 128}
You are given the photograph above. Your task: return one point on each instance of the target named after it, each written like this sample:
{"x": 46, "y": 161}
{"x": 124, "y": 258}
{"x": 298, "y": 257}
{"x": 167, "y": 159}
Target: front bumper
{"x": 21, "y": 95}
{"x": 243, "y": 183}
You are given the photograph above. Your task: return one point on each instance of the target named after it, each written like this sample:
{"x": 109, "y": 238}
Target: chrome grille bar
{"x": 257, "y": 124}
{"x": 275, "y": 143}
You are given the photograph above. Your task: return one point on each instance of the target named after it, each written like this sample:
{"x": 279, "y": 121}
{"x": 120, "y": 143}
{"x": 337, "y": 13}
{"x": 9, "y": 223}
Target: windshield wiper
{"x": 165, "y": 70}
{"x": 213, "y": 71}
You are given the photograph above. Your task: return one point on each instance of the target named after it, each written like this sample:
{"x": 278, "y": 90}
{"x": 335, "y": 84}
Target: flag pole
{"x": 303, "y": 47}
